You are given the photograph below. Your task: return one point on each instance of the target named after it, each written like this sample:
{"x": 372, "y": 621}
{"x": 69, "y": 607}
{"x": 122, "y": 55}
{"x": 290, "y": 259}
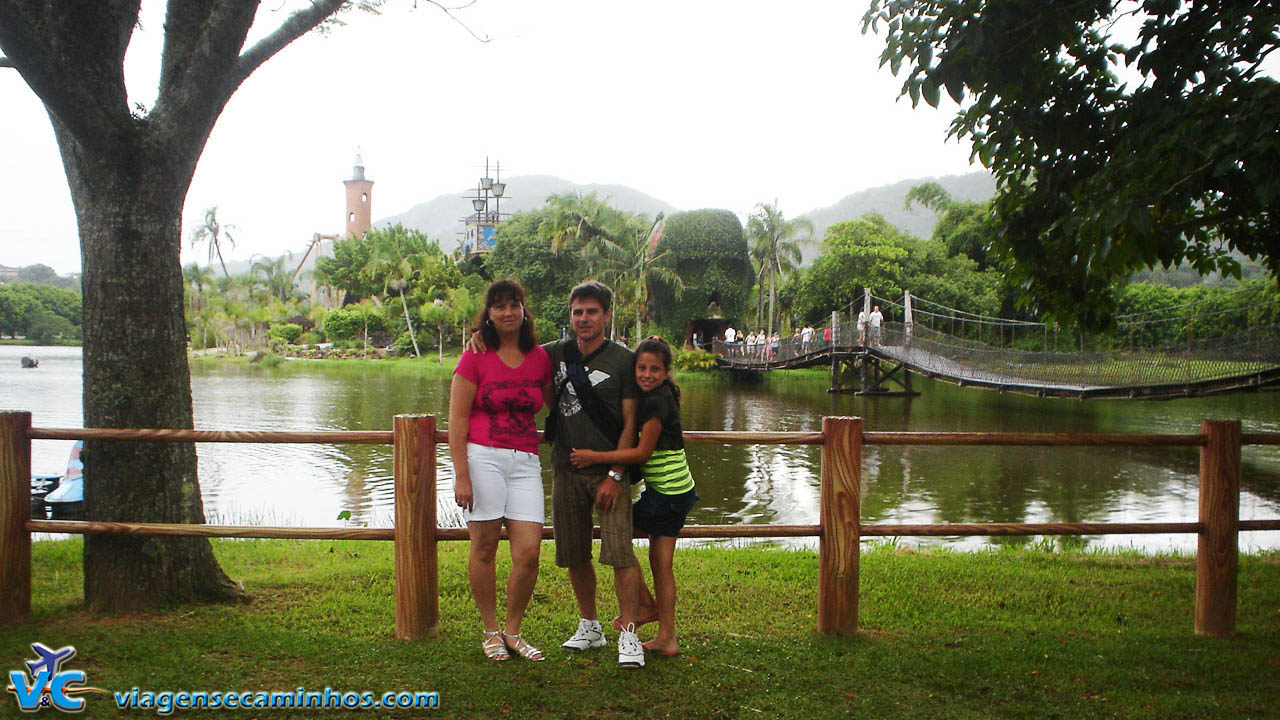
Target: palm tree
{"x": 576, "y": 220}
{"x": 398, "y": 257}
{"x": 774, "y": 241}
{"x": 463, "y": 306}
{"x": 274, "y": 276}
{"x": 198, "y": 277}
{"x": 435, "y": 314}
{"x": 214, "y": 233}
{"x": 626, "y": 263}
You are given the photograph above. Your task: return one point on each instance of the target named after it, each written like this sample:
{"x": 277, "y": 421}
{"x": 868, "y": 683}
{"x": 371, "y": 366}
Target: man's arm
{"x": 637, "y": 455}
{"x": 607, "y": 492}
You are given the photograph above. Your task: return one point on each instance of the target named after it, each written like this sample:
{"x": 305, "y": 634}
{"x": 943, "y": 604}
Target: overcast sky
{"x": 701, "y": 104}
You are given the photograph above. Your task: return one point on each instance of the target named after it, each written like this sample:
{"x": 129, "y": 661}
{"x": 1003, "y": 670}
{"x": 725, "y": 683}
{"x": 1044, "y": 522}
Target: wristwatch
{"x": 617, "y": 476}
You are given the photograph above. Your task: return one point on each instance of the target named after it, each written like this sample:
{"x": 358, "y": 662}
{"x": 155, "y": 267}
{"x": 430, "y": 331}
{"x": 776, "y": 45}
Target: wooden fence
{"x": 839, "y": 532}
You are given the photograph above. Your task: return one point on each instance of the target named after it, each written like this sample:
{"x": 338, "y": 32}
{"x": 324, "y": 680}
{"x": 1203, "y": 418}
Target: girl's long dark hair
{"x": 659, "y": 347}
{"x": 500, "y": 290}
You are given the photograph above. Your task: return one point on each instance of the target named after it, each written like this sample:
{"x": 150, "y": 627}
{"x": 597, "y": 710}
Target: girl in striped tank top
{"x": 668, "y": 496}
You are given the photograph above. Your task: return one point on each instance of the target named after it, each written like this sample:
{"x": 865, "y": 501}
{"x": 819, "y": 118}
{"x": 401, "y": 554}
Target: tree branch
{"x": 202, "y": 42}
{"x": 297, "y": 25}
{"x": 449, "y": 11}
{"x": 87, "y": 102}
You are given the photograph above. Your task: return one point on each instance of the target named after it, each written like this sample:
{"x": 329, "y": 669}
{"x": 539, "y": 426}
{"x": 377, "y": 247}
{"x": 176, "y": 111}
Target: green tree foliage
{"x": 709, "y": 253}
{"x": 405, "y": 259}
{"x": 44, "y": 275}
{"x": 871, "y": 253}
{"x": 626, "y": 264}
{"x": 29, "y": 309}
{"x": 1158, "y": 316}
{"x": 354, "y": 322}
{"x": 345, "y": 270}
{"x": 286, "y": 333}
{"x": 276, "y": 279}
{"x": 1112, "y": 155}
{"x": 436, "y": 316}
{"x": 572, "y": 221}
{"x": 14, "y": 308}
{"x": 963, "y": 228}
{"x": 864, "y": 253}
{"x": 45, "y": 328}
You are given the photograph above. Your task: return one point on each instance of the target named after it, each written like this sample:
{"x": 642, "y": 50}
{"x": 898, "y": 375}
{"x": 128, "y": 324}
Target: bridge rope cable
{"x": 1197, "y": 316}
{"x": 1242, "y": 290}
{"x": 1175, "y": 351}
{"x": 994, "y": 320}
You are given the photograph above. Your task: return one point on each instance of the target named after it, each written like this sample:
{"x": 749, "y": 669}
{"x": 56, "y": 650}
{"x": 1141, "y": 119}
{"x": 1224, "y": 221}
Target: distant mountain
{"x": 887, "y": 200}
{"x": 441, "y": 218}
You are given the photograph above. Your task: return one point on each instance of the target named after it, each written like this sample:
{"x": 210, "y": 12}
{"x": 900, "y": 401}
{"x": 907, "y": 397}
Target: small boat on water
{"x": 30, "y": 362}
{"x": 60, "y": 497}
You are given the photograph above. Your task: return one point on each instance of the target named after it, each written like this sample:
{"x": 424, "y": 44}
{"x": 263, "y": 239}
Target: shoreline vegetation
{"x": 1030, "y": 632}
{"x": 426, "y": 365}
{"x": 38, "y": 343}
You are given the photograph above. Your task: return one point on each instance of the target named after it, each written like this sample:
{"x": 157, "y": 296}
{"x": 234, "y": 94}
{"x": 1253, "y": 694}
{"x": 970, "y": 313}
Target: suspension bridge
{"x": 1179, "y": 351}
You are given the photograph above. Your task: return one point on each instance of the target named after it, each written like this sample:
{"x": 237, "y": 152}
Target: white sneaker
{"x": 630, "y": 651}
{"x": 588, "y": 635}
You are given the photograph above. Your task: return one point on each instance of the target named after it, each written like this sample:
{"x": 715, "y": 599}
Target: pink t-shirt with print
{"x": 506, "y": 398}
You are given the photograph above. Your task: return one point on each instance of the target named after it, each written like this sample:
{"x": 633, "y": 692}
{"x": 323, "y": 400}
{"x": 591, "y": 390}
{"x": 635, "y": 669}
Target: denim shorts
{"x": 662, "y": 515}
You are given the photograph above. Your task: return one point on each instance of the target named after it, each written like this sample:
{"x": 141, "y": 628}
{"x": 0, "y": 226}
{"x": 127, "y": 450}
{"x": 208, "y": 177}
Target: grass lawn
{"x": 1010, "y": 633}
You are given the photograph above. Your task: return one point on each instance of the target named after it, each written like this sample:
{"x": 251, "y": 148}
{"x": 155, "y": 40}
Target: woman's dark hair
{"x": 500, "y": 291}
{"x": 659, "y": 347}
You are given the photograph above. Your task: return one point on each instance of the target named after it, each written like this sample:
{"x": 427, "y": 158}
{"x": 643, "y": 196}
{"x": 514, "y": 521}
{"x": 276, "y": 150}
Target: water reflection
{"x": 310, "y": 484}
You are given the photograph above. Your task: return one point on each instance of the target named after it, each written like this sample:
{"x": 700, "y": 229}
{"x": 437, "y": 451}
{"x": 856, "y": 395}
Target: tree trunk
{"x": 773, "y": 298}
{"x": 760, "y": 303}
{"x": 136, "y": 376}
{"x": 412, "y": 336}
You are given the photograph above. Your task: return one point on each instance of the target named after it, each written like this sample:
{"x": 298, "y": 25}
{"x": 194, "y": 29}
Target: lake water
{"x": 309, "y": 485}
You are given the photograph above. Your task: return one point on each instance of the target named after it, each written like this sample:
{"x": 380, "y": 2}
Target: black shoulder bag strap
{"x": 575, "y": 372}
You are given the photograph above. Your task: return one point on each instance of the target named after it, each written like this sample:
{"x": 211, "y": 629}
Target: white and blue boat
{"x": 60, "y": 497}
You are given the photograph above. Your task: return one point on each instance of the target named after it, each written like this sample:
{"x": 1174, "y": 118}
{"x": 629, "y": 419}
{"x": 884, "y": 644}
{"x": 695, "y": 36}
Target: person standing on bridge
{"x": 875, "y": 319}
{"x": 862, "y": 327}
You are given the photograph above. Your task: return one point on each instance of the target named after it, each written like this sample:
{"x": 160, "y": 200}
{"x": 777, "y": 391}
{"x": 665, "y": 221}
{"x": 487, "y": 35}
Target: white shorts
{"x": 505, "y": 484}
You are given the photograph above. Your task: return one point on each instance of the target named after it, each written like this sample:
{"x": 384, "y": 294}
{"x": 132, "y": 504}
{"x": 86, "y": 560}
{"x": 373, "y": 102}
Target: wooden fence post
{"x": 1217, "y": 548}
{"x": 841, "y": 522}
{"x": 417, "y": 579}
{"x": 15, "y": 508}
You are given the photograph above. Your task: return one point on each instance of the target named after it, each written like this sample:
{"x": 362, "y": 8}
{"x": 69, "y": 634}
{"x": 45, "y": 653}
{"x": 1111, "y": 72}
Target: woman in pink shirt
{"x": 493, "y": 441}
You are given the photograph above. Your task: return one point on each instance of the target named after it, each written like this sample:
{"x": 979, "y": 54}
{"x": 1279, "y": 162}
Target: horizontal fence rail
{"x": 839, "y": 532}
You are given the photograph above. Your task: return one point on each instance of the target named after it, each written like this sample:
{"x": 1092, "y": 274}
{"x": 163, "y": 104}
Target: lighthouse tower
{"x": 359, "y": 200}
